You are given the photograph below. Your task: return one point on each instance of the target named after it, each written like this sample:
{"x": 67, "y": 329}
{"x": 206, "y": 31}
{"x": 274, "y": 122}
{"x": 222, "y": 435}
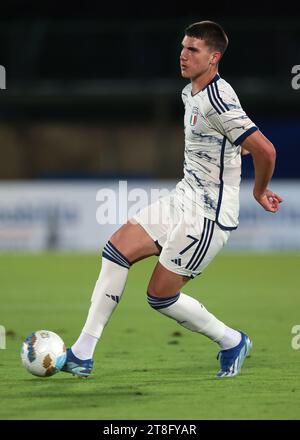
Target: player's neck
{"x": 200, "y": 82}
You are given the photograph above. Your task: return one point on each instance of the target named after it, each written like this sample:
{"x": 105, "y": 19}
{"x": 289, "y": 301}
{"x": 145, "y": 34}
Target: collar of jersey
{"x": 215, "y": 78}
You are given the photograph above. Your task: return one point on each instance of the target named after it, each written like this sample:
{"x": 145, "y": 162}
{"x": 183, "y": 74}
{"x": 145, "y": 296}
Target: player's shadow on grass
{"x": 141, "y": 376}
{"x": 46, "y": 381}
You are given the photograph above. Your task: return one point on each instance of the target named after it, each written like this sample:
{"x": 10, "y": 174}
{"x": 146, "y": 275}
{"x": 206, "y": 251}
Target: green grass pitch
{"x": 146, "y": 365}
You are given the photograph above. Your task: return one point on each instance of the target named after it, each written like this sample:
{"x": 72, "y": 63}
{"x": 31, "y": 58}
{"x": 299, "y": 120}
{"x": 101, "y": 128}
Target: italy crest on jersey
{"x": 194, "y": 116}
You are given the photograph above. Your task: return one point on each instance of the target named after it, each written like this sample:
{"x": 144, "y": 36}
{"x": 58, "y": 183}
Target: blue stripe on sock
{"x": 108, "y": 257}
{"x": 118, "y": 252}
{"x": 111, "y": 253}
{"x": 162, "y": 302}
{"x": 114, "y": 256}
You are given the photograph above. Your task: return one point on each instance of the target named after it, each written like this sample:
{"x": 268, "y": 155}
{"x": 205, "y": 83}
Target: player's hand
{"x": 268, "y": 200}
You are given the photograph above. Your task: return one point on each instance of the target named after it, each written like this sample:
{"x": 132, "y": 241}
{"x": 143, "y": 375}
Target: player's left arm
{"x": 264, "y": 157}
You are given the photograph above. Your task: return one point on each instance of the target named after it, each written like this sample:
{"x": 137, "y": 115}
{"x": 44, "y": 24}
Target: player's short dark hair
{"x": 209, "y": 31}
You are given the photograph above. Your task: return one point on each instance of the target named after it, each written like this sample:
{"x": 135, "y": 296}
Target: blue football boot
{"x": 231, "y": 360}
{"x": 77, "y": 367}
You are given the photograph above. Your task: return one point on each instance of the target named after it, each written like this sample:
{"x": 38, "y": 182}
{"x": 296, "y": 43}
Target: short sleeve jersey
{"x": 214, "y": 124}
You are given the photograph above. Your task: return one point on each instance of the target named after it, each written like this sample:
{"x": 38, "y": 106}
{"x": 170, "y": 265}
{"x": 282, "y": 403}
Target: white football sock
{"x": 106, "y": 296}
{"x": 192, "y": 315}
{"x": 231, "y": 338}
{"x": 84, "y": 346}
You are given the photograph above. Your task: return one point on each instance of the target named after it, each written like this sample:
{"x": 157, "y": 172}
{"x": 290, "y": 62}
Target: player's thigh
{"x": 134, "y": 242}
{"x": 192, "y": 246}
{"x": 145, "y": 234}
{"x": 164, "y": 283}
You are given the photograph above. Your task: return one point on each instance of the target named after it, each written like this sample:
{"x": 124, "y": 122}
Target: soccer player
{"x": 193, "y": 223}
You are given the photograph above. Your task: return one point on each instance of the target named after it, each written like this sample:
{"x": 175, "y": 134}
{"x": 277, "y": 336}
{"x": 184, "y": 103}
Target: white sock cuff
{"x": 162, "y": 302}
{"x": 110, "y": 252}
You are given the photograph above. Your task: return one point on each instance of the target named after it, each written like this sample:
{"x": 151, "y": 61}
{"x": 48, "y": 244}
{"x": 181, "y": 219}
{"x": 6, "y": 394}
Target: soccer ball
{"x": 43, "y": 353}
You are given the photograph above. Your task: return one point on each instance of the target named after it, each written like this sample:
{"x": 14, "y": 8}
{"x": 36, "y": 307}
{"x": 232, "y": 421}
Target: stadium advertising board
{"x": 82, "y": 216}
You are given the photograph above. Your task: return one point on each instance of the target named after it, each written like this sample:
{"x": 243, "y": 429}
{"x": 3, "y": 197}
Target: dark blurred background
{"x": 93, "y": 90}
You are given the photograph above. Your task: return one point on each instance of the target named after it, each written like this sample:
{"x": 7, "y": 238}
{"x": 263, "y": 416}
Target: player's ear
{"x": 215, "y": 58}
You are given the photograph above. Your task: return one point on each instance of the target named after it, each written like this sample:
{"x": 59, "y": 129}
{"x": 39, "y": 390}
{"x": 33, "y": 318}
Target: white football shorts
{"x": 188, "y": 240}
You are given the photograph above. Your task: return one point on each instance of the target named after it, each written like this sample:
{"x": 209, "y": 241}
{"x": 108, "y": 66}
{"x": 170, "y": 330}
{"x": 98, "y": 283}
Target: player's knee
{"x": 160, "y": 287}
{"x": 154, "y": 289}
{"x": 117, "y": 237}
{"x": 125, "y": 241}
{"x": 112, "y": 253}
{"x": 122, "y": 243}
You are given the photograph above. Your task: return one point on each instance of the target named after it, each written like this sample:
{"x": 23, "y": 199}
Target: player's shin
{"x": 192, "y": 315}
{"x": 106, "y": 296}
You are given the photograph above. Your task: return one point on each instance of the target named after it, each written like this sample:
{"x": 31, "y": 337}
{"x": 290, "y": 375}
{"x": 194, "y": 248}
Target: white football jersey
{"x": 214, "y": 124}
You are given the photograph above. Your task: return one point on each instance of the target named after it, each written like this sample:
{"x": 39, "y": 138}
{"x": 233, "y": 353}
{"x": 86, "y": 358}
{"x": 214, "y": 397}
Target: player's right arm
{"x": 264, "y": 157}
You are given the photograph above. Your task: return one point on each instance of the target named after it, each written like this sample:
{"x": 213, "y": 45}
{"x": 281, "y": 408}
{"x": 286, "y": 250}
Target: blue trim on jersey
{"x": 218, "y": 95}
{"x": 209, "y": 93}
{"x": 224, "y": 228}
{"x": 215, "y": 99}
{"x": 221, "y": 178}
{"x": 215, "y": 79}
{"x": 244, "y": 135}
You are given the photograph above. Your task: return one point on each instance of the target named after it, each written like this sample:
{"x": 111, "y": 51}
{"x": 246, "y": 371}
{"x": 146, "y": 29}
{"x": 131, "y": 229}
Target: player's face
{"x": 195, "y": 57}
